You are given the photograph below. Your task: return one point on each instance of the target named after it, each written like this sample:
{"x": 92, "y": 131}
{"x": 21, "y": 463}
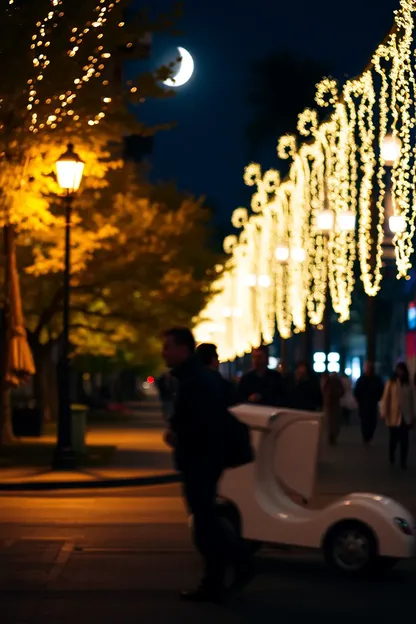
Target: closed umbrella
{"x": 20, "y": 363}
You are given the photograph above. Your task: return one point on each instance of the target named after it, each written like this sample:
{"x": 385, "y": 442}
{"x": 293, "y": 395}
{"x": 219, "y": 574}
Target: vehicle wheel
{"x": 350, "y": 548}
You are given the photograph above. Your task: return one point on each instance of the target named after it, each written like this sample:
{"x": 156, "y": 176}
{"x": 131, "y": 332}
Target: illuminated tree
{"x": 153, "y": 268}
{"x": 61, "y": 76}
{"x": 330, "y": 210}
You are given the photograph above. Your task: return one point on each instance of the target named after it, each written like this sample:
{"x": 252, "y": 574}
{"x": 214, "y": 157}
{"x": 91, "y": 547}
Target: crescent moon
{"x": 186, "y": 69}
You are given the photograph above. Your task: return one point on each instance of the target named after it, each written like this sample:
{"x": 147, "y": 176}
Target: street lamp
{"x": 69, "y": 170}
{"x": 263, "y": 281}
{"x": 390, "y": 148}
{"x": 325, "y": 221}
{"x": 346, "y": 221}
{"x": 282, "y": 254}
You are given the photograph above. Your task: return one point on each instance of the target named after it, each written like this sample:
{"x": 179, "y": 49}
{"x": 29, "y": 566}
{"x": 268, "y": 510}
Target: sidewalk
{"x": 140, "y": 458}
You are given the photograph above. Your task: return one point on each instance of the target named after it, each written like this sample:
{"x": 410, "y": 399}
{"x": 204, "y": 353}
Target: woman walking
{"x": 398, "y": 410}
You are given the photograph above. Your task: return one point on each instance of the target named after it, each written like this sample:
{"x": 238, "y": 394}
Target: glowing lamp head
{"x": 264, "y": 281}
{"x": 325, "y": 221}
{"x": 346, "y": 221}
{"x": 298, "y": 254}
{"x": 282, "y": 254}
{"x": 391, "y": 150}
{"x": 69, "y": 170}
{"x": 397, "y": 224}
{"x": 251, "y": 280}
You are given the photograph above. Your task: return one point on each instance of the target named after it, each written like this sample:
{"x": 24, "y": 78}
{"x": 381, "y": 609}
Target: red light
{"x": 150, "y": 380}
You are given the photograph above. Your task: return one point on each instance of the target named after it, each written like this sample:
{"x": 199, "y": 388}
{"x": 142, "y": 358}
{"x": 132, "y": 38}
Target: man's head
{"x": 260, "y": 358}
{"x": 208, "y": 355}
{"x": 369, "y": 368}
{"x": 178, "y": 346}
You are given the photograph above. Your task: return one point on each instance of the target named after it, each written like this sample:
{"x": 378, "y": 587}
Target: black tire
{"x": 350, "y": 549}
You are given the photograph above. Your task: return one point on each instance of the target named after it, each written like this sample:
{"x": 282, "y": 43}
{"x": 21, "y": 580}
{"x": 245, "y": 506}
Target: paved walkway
{"x": 141, "y": 454}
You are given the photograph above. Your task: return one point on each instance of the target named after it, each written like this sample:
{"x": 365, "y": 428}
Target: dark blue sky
{"x": 207, "y": 151}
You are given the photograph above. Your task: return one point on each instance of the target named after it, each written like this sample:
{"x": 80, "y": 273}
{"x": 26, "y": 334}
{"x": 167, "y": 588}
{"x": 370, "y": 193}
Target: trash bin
{"x": 79, "y": 427}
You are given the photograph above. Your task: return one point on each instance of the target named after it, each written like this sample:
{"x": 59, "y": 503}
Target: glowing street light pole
{"x": 395, "y": 224}
{"x": 69, "y": 170}
{"x": 327, "y": 223}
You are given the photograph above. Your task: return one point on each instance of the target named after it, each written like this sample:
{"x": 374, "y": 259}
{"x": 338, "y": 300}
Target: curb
{"x": 33, "y": 486}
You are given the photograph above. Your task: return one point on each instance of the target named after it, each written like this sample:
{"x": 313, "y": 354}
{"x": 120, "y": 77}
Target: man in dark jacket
{"x": 304, "y": 389}
{"x": 207, "y": 354}
{"x": 261, "y": 385}
{"x": 368, "y": 392}
{"x": 197, "y": 435}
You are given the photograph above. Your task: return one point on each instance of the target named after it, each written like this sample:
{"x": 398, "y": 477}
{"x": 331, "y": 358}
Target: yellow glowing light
{"x": 390, "y": 150}
{"x": 305, "y": 233}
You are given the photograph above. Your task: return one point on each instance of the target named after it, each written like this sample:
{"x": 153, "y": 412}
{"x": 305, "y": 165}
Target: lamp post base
{"x": 64, "y": 459}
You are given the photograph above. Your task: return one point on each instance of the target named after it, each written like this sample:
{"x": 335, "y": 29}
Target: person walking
{"x": 304, "y": 390}
{"x": 197, "y": 434}
{"x": 208, "y": 355}
{"x": 261, "y": 385}
{"x": 368, "y": 392}
{"x": 398, "y": 410}
{"x": 332, "y": 393}
{"x": 166, "y": 388}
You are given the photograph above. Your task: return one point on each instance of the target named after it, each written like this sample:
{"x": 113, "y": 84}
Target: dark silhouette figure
{"x": 368, "y": 392}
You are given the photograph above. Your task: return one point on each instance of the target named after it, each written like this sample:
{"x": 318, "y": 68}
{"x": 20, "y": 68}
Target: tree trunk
{"x": 45, "y": 383}
{"x": 6, "y": 427}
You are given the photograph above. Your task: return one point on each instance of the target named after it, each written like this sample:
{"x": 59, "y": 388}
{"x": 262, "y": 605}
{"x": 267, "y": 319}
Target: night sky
{"x": 207, "y": 151}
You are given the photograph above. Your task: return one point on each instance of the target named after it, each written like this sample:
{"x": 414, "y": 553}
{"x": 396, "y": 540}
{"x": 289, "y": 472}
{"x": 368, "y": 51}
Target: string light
{"x": 339, "y": 168}
{"x": 40, "y": 41}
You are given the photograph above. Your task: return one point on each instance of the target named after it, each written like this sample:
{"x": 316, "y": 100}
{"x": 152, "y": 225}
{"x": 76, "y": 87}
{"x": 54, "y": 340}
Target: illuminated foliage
{"x": 340, "y": 169}
{"x": 137, "y": 264}
{"x": 61, "y": 76}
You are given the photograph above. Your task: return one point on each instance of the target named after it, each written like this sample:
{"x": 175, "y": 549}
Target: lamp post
{"x": 328, "y": 222}
{"x": 69, "y": 170}
{"x": 283, "y": 255}
{"x": 395, "y": 224}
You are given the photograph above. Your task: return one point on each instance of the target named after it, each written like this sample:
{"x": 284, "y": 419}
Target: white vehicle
{"x": 357, "y": 533}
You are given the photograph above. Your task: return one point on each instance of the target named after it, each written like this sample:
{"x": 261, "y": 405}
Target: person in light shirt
{"x": 398, "y": 410}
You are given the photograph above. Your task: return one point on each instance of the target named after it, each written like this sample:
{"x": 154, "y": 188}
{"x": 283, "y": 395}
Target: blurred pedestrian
{"x": 261, "y": 385}
{"x": 348, "y": 402}
{"x": 332, "y": 393}
{"x": 304, "y": 390}
{"x": 368, "y": 392}
{"x": 398, "y": 410}
{"x": 197, "y": 433}
{"x": 166, "y": 387}
{"x": 208, "y": 355}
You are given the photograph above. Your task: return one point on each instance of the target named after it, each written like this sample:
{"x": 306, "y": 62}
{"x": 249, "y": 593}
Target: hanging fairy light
{"x": 307, "y": 231}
